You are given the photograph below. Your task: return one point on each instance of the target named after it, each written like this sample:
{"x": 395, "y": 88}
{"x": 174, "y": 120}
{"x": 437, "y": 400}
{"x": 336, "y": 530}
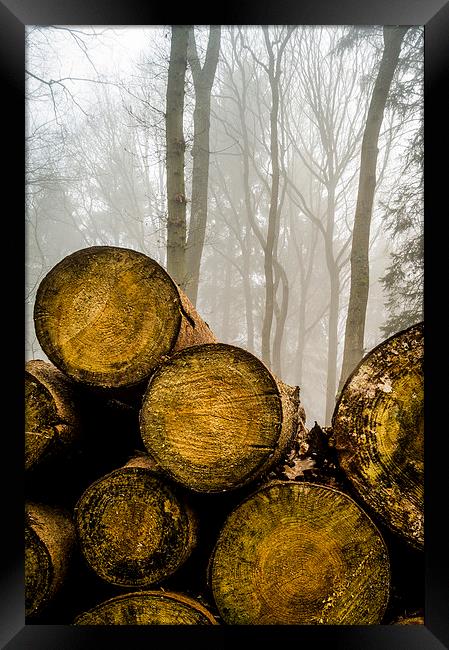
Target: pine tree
{"x": 403, "y": 280}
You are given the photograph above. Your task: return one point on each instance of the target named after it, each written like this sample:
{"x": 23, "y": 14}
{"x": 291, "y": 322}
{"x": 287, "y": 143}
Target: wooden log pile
{"x": 170, "y": 478}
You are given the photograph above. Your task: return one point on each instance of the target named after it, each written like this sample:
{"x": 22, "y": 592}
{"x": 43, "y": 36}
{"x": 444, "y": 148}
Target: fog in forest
{"x": 291, "y": 151}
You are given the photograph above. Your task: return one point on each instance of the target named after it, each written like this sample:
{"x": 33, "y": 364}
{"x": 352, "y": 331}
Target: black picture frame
{"x": 434, "y": 15}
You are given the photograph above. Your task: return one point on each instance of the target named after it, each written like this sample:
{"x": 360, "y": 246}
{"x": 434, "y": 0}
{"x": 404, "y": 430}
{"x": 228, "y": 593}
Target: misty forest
{"x": 224, "y": 325}
{"x": 274, "y": 171}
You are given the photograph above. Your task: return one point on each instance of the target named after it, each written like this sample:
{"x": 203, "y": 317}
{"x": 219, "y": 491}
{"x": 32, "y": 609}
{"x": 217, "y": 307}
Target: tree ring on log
{"x": 49, "y": 544}
{"x": 38, "y": 572}
{"x": 51, "y": 419}
{"x": 148, "y": 608}
{"x": 41, "y": 420}
{"x": 378, "y": 425}
{"x": 298, "y": 554}
{"x": 133, "y": 528}
{"x": 214, "y": 417}
{"x": 106, "y": 315}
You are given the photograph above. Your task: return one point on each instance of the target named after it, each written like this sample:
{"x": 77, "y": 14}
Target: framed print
{"x": 286, "y": 154}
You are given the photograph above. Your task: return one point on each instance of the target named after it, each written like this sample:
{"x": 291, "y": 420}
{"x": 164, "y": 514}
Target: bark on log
{"x": 148, "y": 608}
{"x": 312, "y": 459}
{"x": 134, "y": 528}
{"x": 378, "y": 426}
{"x": 51, "y": 413}
{"x": 106, "y": 316}
{"x": 49, "y": 544}
{"x": 300, "y": 553}
{"x": 214, "y": 418}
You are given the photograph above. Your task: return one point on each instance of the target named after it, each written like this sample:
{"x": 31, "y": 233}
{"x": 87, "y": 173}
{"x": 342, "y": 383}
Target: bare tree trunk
{"x": 334, "y": 300}
{"x": 332, "y": 348}
{"x": 203, "y": 78}
{"x": 268, "y": 243}
{"x": 248, "y": 293}
{"x": 244, "y": 240}
{"x": 253, "y": 223}
{"x": 281, "y": 317}
{"x": 305, "y": 274}
{"x": 226, "y": 320}
{"x": 274, "y": 72}
{"x": 270, "y": 251}
{"x": 175, "y": 145}
{"x": 301, "y": 341}
{"x": 358, "y": 297}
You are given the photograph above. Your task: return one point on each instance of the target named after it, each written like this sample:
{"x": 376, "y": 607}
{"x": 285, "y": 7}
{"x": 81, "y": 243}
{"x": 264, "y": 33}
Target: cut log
{"x": 214, "y": 417}
{"x": 106, "y": 316}
{"x": 51, "y": 413}
{"x": 410, "y": 620}
{"x": 49, "y": 545}
{"x": 135, "y": 528}
{"x": 298, "y": 554}
{"x": 148, "y": 608}
{"x": 312, "y": 459}
{"x": 378, "y": 425}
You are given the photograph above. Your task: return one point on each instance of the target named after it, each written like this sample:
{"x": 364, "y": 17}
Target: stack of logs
{"x": 171, "y": 478}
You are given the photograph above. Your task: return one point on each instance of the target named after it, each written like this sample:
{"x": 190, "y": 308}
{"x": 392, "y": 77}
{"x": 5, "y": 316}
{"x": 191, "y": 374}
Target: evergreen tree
{"x": 403, "y": 280}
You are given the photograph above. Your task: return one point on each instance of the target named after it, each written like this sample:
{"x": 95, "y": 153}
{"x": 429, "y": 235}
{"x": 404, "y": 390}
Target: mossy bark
{"x": 51, "y": 413}
{"x": 135, "y": 528}
{"x": 148, "y": 608}
{"x": 300, "y": 553}
{"x": 378, "y": 426}
{"x": 106, "y": 316}
{"x": 214, "y": 418}
{"x": 49, "y": 544}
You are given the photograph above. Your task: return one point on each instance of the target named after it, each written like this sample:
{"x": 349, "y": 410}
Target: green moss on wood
{"x": 134, "y": 527}
{"x": 300, "y": 553}
{"x": 106, "y": 316}
{"x": 378, "y": 426}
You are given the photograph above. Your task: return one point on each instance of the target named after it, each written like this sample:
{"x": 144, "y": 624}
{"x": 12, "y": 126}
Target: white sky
{"x": 115, "y": 49}
{"x": 111, "y": 55}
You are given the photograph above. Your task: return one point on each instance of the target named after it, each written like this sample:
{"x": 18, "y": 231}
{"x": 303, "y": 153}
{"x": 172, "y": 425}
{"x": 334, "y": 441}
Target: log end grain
{"x": 51, "y": 418}
{"x": 49, "y": 545}
{"x": 300, "y": 553}
{"x": 378, "y": 427}
{"x": 106, "y": 315}
{"x": 214, "y": 418}
{"x": 148, "y": 608}
{"x": 134, "y": 528}
{"x": 38, "y": 573}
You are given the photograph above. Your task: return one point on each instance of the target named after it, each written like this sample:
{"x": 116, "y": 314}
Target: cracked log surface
{"x": 148, "y": 608}
{"x": 49, "y": 544}
{"x": 300, "y": 553}
{"x": 134, "y": 527}
{"x": 106, "y": 316}
{"x": 51, "y": 413}
{"x": 378, "y": 425}
{"x": 214, "y": 418}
